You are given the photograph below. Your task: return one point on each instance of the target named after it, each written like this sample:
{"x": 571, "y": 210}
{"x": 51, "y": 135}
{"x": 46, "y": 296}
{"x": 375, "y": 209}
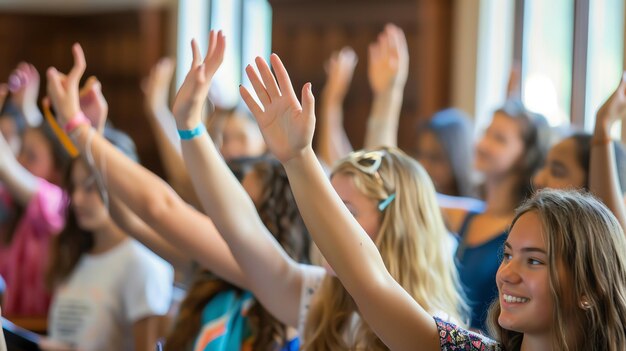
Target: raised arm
{"x": 163, "y": 126}
{"x": 24, "y": 85}
{"x": 388, "y": 69}
{"x": 143, "y": 192}
{"x": 18, "y": 180}
{"x": 603, "y": 178}
{"x": 332, "y": 141}
{"x": 274, "y": 278}
{"x": 288, "y": 128}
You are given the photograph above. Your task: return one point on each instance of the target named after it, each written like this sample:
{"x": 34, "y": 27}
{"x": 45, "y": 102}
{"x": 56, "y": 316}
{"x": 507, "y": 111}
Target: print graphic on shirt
{"x": 71, "y": 318}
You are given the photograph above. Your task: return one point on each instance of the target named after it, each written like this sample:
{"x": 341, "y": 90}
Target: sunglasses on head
{"x": 369, "y": 162}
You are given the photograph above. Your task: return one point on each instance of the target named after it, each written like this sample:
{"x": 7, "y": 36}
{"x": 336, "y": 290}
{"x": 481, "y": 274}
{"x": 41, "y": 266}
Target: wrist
{"x": 300, "y": 159}
{"x": 187, "y": 124}
{"x": 76, "y": 121}
{"x": 191, "y": 133}
{"x": 331, "y": 96}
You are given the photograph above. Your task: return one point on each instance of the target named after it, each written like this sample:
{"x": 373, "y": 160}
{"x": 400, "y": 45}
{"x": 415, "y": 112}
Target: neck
{"x": 501, "y": 198}
{"x": 106, "y": 238}
{"x": 541, "y": 342}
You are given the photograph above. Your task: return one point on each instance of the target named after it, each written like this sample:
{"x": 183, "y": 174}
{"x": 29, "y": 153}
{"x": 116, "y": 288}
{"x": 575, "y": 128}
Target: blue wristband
{"x": 190, "y": 134}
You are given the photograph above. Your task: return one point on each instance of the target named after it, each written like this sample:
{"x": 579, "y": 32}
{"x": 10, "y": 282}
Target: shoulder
{"x": 141, "y": 259}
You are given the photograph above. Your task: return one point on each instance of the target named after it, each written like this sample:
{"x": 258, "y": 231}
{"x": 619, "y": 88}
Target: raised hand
{"x": 157, "y": 85}
{"x": 388, "y": 64}
{"x": 93, "y": 103}
{"x": 193, "y": 93}
{"x": 613, "y": 109}
{"x": 339, "y": 71}
{"x": 63, "y": 89}
{"x": 286, "y": 125}
{"x": 24, "y": 85}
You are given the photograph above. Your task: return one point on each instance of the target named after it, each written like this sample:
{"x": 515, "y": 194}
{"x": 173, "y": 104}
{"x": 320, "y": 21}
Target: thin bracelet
{"x": 78, "y": 119}
{"x": 188, "y": 134}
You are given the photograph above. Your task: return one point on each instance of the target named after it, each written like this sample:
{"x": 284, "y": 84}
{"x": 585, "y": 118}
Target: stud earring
{"x": 585, "y": 304}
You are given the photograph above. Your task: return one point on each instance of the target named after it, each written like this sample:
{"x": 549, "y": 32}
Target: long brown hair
{"x": 68, "y": 247}
{"x": 412, "y": 241}
{"x": 279, "y": 213}
{"x": 585, "y": 241}
{"x": 535, "y": 134}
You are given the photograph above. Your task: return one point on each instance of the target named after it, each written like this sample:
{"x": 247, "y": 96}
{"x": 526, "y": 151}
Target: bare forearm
{"x": 135, "y": 227}
{"x": 333, "y": 143}
{"x": 169, "y": 148}
{"x": 388, "y": 308}
{"x": 20, "y": 183}
{"x": 382, "y": 124}
{"x": 327, "y": 218}
{"x": 269, "y": 270}
{"x": 603, "y": 177}
{"x": 157, "y": 204}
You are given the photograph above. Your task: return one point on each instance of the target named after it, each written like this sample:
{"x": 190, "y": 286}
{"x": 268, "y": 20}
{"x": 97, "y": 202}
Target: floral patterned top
{"x": 455, "y": 338}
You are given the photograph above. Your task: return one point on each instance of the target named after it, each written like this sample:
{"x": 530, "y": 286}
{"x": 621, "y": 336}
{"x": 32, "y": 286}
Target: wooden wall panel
{"x": 120, "y": 48}
{"x": 306, "y": 32}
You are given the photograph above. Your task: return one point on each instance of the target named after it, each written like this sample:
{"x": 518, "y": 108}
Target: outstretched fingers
{"x": 284, "y": 82}
{"x": 268, "y": 78}
{"x": 215, "y": 54}
{"x": 258, "y": 86}
{"x": 55, "y": 84}
{"x": 308, "y": 101}
{"x": 79, "y": 65}
{"x": 196, "y": 55}
{"x": 256, "y": 110}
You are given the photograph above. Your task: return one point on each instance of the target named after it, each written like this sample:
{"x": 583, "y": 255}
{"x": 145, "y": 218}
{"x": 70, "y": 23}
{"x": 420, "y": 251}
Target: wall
{"x": 306, "y": 32}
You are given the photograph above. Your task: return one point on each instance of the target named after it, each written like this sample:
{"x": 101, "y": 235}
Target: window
{"x": 247, "y": 27}
{"x": 605, "y": 56}
{"x": 572, "y": 57}
{"x": 547, "y": 58}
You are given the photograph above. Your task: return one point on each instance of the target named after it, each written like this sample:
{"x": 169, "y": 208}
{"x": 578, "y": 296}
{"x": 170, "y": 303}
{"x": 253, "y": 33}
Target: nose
{"x": 508, "y": 273}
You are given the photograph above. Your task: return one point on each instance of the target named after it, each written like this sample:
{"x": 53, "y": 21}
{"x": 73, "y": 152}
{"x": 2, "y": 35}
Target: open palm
{"x": 286, "y": 125}
{"x": 193, "y": 92}
{"x": 388, "y": 60}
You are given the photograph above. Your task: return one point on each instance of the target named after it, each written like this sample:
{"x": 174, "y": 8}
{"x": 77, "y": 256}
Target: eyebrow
{"x": 527, "y": 249}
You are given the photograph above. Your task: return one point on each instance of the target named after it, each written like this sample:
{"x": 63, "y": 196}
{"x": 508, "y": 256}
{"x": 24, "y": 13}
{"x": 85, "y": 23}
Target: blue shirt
{"x": 477, "y": 266}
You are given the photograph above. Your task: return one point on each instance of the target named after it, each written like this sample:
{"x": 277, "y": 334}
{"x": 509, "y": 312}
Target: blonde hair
{"x": 584, "y": 241}
{"x": 413, "y": 243}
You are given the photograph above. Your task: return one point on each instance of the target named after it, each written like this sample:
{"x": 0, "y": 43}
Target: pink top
{"x": 24, "y": 261}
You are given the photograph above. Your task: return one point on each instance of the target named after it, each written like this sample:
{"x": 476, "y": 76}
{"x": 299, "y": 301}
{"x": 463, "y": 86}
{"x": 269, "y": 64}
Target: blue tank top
{"x": 477, "y": 267}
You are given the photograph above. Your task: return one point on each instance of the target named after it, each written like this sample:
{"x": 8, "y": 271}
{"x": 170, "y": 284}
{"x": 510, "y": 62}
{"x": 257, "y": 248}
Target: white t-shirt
{"x": 106, "y": 293}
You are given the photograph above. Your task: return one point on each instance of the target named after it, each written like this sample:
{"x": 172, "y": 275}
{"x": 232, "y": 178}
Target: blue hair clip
{"x": 383, "y": 204}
